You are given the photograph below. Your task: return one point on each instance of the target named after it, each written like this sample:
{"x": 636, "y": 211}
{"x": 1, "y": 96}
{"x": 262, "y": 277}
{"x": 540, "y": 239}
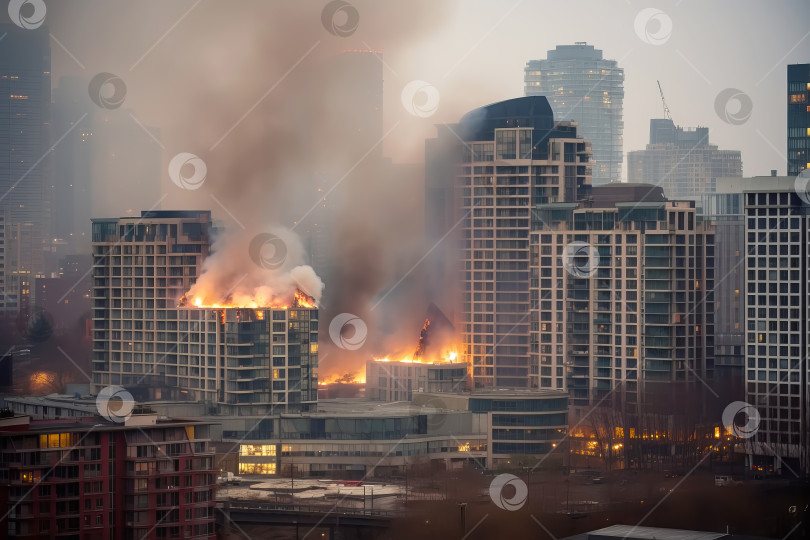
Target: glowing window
{"x": 257, "y": 450}
{"x": 257, "y": 468}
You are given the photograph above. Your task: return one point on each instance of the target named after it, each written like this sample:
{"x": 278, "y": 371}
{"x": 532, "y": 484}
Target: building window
{"x": 257, "y": 450}
{"x": 257, "y": 468}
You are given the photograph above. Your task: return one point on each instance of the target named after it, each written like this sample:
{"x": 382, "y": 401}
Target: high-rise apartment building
{"x": 513, "y": 157}
{"x": 25, "y": 99}
{"x": 93, "y": 480}
{"x": 681, "y": 161}
{"x": 777, "y": 303}
{"x": 147, "y": 339}
{"x": 619, "y": 295}
{"x": 798, "y": 118}
{"x": 583, "y": 87}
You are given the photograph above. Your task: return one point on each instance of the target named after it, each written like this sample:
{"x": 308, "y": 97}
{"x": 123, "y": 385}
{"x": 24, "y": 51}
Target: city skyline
{"x": 351, "y": 269}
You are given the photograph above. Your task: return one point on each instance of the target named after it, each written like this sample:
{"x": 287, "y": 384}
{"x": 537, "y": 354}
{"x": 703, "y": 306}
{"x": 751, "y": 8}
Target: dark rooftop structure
{"x": 606, "y": 196}
{"x": 530, "y": 111}
{"x": 633, "y": 532}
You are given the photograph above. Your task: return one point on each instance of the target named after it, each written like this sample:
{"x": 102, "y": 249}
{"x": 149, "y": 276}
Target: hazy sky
{"x": 472, "y": 51}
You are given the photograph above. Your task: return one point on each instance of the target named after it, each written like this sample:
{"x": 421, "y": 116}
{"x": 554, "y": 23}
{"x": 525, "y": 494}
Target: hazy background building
{"x": 583, "y": 87}
{"x": 725, "y": 210}
{"x": 105, "y": 165}
{"x": 25, "y": 100}
{"x": 798, "y": 118}
{"x": 681, "y": 160}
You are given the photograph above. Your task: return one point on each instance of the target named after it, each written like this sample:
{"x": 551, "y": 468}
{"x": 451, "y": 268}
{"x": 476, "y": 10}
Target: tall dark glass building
{"x": 584, "y": 87}
{"x": 798, "y": 118}
{"x": 25, "y": 97}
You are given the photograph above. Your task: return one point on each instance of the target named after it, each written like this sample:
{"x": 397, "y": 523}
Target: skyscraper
{"x": 513, "y": 157}
{"x": 798, "y": 118}
{"x": 25, "y": 98}
{"x": 635, "y": 310}
{"x": 681, "y": 161}
{"x": 583, "y": 87}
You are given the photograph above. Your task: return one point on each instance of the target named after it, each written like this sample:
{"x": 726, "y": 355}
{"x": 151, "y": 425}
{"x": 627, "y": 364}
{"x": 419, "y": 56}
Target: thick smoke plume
{"x": 262, "y": 271}
{"x": 284, "y": 119}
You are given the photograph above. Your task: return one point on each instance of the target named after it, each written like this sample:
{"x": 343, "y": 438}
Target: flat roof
{"x": 652, "y": 533}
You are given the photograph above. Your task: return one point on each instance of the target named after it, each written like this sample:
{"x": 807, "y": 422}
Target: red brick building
{"x": 98, "y": 480}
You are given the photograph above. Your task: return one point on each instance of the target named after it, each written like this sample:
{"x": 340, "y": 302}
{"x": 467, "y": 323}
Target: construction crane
{"x": 667, "y": 114}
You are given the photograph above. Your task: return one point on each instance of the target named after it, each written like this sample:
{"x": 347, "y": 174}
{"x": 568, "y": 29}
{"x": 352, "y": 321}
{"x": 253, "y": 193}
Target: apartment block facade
{"x": 639, "y": 313}
{"x": 513, "y": 157}
{"x": 777, "y": 303}
{"x": 237, "y": 360}
{"x": 90, "y": 480}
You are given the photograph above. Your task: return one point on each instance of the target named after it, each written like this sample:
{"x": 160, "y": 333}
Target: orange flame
{"x": 257, "y": 301}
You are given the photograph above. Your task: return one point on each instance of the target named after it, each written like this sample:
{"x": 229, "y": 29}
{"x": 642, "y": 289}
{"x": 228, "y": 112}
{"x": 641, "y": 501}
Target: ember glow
{"x": 261, "y": 299}
{"x": 346, "y": 378}
{"x": 432, "y": 347}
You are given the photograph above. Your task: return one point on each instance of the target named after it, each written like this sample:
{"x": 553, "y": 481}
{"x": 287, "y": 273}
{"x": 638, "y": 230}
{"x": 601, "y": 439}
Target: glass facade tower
{"x": 798, "y": 118}
{"x": 583, "y": 87}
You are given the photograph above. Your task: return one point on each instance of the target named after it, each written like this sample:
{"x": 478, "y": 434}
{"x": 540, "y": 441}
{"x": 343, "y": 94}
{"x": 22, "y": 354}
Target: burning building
{"x": 399, "y": 380}
{"x": 156, "y": 334}
{"x": 434, "y": 366}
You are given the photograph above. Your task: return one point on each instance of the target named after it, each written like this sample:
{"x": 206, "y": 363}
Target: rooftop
{"x": 632, "y": 532}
